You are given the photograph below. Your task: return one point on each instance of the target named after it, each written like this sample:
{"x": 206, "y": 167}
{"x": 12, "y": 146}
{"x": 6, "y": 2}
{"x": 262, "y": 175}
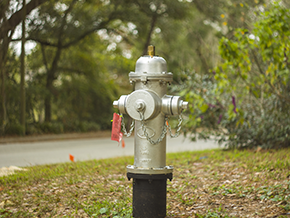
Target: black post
{"x": 149, "y": 194}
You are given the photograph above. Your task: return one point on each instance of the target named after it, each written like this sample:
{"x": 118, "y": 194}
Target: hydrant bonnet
{"x": 151, "y": 64}
{"x": 150, "y": 69}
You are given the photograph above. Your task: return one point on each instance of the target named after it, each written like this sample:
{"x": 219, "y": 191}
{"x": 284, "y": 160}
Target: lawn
{"x": 210, "y": 183}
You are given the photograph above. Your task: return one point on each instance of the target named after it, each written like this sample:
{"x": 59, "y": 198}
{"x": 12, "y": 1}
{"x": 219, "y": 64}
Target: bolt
{"x": 140, "y": 106}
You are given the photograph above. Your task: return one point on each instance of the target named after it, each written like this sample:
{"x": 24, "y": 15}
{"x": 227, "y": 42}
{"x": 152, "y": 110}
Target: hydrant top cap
{"x": 150, "y": 65}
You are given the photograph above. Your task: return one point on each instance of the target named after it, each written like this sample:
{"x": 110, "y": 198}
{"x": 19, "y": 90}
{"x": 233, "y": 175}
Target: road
{"x": 49, "y": 152}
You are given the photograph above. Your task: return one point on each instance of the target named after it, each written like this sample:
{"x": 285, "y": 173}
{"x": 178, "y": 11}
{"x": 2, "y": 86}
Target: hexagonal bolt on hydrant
{"x": 151, "y": 108}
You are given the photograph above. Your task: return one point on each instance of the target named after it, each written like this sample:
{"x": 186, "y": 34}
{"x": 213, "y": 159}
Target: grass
{"x": 210, "y": 183}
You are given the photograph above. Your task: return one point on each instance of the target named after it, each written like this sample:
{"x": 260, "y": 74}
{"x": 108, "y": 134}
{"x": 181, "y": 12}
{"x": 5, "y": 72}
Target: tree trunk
{"x": 51, "y": 76}
{"x": 22, "y": 72}
{"x": 3, "y": 53}
{"x": 3, "y": 97}
{"x": 148, "y": 40}
{"x": 7, "y": 29}
{"x": 48, "y": 97}
{"x": 47, "y": 108}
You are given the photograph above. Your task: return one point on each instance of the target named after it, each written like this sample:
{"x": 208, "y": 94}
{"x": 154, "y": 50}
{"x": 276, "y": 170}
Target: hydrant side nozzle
{"x": 184, "y": 105}
{"x": 116, "y": 104}
{"x": 121, "y": 104}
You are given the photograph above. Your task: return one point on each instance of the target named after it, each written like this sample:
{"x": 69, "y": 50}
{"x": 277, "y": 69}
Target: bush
{"x": 53, "y": 127}
{"x": 245, "y": 100}
{"x": 14, "y": 129}
{"x": 33, "y": 129}
{"x": 84, "y": 126}
{"x": 88, "y": 126}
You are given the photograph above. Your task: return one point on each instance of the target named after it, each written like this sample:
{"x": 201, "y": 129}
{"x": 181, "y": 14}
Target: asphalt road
{"x": 38, "y": 153}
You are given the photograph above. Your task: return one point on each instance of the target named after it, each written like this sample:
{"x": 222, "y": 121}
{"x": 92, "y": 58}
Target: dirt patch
{"x": 4, "y": 171}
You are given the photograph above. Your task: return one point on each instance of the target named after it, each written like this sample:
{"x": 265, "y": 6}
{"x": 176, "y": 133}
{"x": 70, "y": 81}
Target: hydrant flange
{"x": 150, "y": 171}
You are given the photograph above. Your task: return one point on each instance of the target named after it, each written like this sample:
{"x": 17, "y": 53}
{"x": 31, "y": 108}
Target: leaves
{"x": 204, "y": 108}
{"x": 250, "y": 85}
{"x": 103, "y": 210}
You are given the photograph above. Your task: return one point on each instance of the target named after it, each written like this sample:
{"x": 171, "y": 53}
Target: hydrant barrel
{"x": 151, "y": 79}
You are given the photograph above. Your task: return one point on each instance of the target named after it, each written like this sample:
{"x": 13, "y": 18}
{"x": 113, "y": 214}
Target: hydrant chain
{"x": 180, "y": 119}
{"x": 162, "y": 135}
{"x": 164, "y": 131}
{"x": 124, "y": 127}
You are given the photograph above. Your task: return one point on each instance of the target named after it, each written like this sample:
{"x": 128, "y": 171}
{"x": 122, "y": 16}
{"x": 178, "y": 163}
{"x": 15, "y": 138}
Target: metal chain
{"x": 180, "y": 119}
{"x": 162, "y": 135}
{"x": 124, "y": 127}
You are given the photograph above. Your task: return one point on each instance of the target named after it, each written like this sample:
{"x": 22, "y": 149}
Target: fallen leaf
{"x": 2, "y": 204}
{"x": 259, "y": 149}
{"x": 7, "y": 202}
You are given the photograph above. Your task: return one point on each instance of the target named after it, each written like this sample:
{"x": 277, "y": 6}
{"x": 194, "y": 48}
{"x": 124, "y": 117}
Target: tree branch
{"x": 276, "y": 91}
{"x": 126, "y": 39}
{"x": 44, "y": 57}
{"x": 148, "y": 39}
{"x": 72, "y": 70}
{"x": 16, "y": 18}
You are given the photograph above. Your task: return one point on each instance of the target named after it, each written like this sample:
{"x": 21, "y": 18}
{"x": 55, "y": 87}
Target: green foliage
{"x": 76, "y": 126}
{"x": 85, "y": 50}
{"x": 14, "y": 129}
{"x": 105, "y": 209}
{"x": 246, "y": 98}
{"x": 51, "y": 127}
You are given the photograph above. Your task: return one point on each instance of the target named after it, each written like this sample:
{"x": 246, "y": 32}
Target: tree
{"x": 64, "y": 24}
{"x": 22, "y": 73}
{"x": 246, "y": 99}
{"x": 143, "y": 19}
{"x": 10, "y": 17}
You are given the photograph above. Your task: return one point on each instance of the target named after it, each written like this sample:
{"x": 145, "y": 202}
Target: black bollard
{"x": 149, "y": 194}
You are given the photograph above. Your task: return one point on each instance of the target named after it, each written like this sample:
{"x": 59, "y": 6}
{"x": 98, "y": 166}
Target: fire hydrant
{"x": 151, "y": 108}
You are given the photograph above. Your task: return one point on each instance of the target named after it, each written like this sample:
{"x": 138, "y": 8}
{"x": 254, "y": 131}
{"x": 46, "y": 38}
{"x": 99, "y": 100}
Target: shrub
{"x": 245, "y": 100}
{"x": 14, "y": 129}
{"x": 53, "y": 127}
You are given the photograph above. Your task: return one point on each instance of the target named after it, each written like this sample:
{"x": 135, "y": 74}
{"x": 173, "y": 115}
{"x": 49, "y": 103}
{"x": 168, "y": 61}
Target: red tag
{"x": 116, "y": 128}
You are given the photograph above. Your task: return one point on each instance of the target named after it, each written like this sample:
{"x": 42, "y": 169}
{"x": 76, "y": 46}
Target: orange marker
{"x": 71, "y": 157}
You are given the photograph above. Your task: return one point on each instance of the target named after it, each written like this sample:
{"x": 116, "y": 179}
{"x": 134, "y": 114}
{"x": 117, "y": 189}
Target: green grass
{"x": 210, "y": 183}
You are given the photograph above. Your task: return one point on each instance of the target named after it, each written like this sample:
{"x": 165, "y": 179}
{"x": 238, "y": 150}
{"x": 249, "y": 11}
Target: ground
{"x": 211, "y": 183}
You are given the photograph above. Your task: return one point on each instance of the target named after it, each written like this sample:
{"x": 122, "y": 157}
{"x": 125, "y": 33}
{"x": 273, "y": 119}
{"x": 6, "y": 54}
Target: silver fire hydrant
{"x": 151, "y": 108}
